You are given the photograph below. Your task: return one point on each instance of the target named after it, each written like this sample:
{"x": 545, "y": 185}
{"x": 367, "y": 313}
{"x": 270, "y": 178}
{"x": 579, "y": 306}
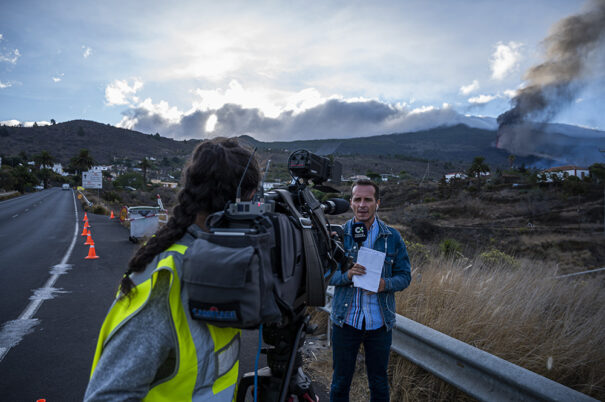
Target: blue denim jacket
{"x": 395, "y": 272}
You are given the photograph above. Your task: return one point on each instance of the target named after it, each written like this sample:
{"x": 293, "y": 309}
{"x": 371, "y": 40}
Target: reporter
{"x": 149, "y": 346}
{"x": 362, "y": 317}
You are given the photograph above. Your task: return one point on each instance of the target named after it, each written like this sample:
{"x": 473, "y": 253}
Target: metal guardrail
{"x": 85, "y": 199}
{"x": 581, "y": 273}
{"x": 473, "y": 371}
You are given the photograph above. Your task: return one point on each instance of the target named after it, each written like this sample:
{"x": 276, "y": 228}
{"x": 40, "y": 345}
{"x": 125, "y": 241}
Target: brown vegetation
{"x": 521, "y": 313}
{"x": 506, "y": 300}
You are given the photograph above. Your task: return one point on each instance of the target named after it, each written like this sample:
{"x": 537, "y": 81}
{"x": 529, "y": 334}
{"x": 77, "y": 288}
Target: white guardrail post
{"x": 477, "y": 373}
{"x": 85, "y": 199}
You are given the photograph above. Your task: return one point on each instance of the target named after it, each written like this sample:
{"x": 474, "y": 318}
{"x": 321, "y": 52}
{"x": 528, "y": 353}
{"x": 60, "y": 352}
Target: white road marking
{"x": 12, "y": 332}
{"x": 14, "y": 216}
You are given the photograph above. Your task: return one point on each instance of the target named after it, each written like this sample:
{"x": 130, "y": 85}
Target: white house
{"x": 388, "y": 176}
{"x": 58, "y": 169}
{"x": 564, "y": 171}
{"x": 100, "y": 168}
{"x": 455, "y": 175}
{"x": 359, "y": 177}
{"x": 165, "y": 184}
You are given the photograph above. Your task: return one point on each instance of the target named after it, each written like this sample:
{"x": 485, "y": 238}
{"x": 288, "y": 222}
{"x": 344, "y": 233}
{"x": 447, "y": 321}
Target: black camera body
{"x": 292, "y": 252}
{"x": 277, "y": 254}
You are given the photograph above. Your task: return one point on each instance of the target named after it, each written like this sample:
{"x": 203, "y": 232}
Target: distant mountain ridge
{"x": 65, "y": 140}
{"x": 457, "y": 143}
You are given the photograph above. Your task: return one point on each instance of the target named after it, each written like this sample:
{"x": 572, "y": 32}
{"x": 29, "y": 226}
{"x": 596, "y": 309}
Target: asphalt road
{"x": 50, "y": 353}
{"x": 54, "y": 300}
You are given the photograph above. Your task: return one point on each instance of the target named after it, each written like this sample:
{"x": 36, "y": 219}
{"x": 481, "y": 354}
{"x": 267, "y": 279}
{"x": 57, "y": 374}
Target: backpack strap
{"x": 315, "y": 275}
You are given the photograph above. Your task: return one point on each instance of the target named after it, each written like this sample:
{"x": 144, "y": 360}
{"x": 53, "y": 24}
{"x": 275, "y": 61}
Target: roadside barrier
{"x": 473, "y": 371}
{"x": 91, "y": 253}
{"x": 592, "y": 271}
{"x": 89, "y": 241}
{"x": 80, "y": 196}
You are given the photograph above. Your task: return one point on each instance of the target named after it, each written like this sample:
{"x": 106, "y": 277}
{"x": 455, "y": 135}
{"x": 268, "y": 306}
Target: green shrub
{"x": 572, "y": 185}
{"x": 497, "y": 258}
{"x": 99, "y": 210}
{"x": 111, "y": 196}
{"x": 131, "y": 179}
{"x": 418, "y": 253}
{"x": 450, "y": 247}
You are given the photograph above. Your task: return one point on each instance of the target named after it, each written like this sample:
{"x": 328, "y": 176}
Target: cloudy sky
{"x": 278, "y": 70}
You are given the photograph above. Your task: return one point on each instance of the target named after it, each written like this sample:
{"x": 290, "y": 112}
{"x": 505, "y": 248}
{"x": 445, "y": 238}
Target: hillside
{"x": 64, "y": 140}
{"x": 454, "y": 143}
{"x": 429, "y": 153}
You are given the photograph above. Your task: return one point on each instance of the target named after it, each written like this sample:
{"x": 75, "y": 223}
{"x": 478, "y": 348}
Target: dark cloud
{"x": 332, "y": 119}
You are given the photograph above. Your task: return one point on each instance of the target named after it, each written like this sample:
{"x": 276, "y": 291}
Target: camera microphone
{"x": 360, "y": 233}
{"x": 335, "y": 206}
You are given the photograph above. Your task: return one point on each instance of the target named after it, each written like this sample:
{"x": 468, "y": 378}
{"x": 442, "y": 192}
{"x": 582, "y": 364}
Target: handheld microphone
{"x": 335, "y": 206}
{"x": 360, "y": 233}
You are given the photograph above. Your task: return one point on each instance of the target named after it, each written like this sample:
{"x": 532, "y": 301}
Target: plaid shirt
{"x": 365, "y": 305}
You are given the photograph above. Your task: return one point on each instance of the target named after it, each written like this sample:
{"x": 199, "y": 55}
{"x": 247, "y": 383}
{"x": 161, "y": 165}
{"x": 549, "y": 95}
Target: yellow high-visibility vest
{"x": 181, "y": 385}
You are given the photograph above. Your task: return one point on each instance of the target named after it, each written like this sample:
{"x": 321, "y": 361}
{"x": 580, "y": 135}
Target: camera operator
{"x": 360, "y": 316}
{"x": 149, "y": 346}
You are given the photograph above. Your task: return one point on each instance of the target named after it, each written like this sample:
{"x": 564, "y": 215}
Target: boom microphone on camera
{"x": 360, "y": 233}
{"x": 335, "y": 206}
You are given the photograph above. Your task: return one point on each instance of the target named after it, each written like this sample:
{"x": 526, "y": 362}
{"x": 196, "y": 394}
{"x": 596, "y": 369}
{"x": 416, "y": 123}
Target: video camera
{"x": 276, "y": 254}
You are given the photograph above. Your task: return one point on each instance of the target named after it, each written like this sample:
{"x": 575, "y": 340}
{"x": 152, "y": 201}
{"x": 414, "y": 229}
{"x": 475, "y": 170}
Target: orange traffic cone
{"x": 85, "y": 217}
{"x": 89, "y": 240}
{"x": 112, "y": 215}
{"x": 91, "y": 253}
{"x": 86, "y": 225}
{"x": 84, "y": 231}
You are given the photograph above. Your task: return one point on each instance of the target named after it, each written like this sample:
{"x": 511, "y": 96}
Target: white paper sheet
{"x": 373, "y": 261}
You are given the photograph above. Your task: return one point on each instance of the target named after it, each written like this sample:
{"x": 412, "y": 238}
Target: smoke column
{"x": 553, "y": 84}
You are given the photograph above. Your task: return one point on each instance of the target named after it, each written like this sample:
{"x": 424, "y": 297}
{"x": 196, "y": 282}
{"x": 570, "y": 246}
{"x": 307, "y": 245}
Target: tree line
{"x": 18, "y": 173}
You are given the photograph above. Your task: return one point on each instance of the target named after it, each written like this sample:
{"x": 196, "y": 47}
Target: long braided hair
{"x": 210, "y": 179}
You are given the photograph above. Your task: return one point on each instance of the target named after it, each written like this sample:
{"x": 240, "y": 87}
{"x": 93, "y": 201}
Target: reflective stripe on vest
{"x": 226, "y": 350}
{"x": 180, "y": 386}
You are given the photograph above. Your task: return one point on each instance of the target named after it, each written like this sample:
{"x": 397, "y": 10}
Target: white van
{"x": 65, "y": 186}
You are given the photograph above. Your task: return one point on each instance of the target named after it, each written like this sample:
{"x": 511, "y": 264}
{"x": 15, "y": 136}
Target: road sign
{"x": 123, "y": 213}
{"x": 92, "y": 179}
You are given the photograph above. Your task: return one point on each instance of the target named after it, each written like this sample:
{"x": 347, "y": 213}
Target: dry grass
{"x": 553, "y": 327}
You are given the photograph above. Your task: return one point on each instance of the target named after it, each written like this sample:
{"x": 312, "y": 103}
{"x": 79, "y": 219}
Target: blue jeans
{"x": 345, "y": 346}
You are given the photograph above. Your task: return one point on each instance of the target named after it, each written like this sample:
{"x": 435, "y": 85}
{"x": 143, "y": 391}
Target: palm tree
{"x": 44, "y": 161}
{"x": 81, "y": 162}
{"x": 477, "y": 167}
{"x": 145, "y": 164}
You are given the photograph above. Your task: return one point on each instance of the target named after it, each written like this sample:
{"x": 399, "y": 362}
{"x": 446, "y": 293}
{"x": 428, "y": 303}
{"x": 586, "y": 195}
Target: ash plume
{"x": 553, "y": 84}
